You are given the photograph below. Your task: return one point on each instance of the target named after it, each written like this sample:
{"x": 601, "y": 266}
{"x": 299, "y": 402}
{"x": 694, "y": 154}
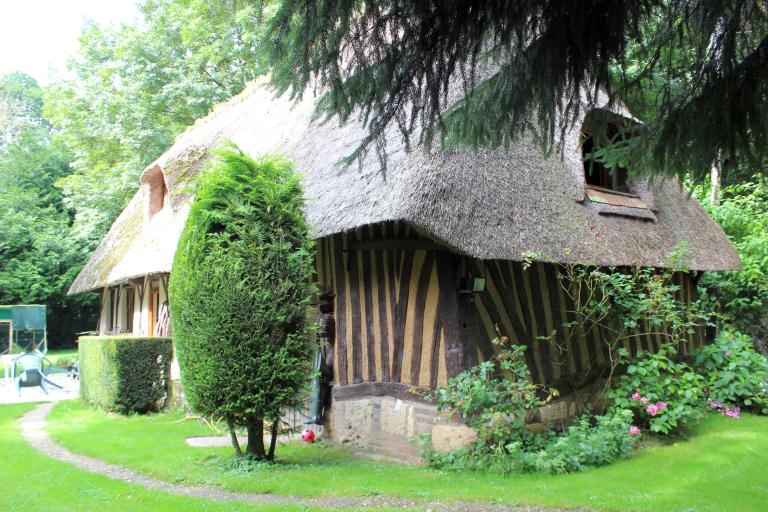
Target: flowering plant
{"x": 733, "y": 412}
{"x": 735, "y": 373}
{"x": 663, "y": 394}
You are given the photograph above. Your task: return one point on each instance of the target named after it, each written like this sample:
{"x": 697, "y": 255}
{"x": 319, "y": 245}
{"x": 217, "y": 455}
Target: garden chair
{"x": 32, "y": 373}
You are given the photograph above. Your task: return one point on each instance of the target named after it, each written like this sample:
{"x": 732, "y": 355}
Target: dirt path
{"x": 33, "y": 426}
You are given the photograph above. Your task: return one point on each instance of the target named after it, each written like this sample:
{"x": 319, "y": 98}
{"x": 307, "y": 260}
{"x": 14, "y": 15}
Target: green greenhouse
{"x": 23, "y": 328}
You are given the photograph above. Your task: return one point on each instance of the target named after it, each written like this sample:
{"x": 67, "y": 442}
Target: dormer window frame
{"x": 618, "y": 197}
{"x": 157, "y": 194}
{"x": 596, "y": 174}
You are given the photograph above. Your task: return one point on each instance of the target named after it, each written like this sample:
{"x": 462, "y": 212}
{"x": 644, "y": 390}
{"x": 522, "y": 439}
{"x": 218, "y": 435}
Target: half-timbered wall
{"x": 400, "y": 318}
{"x": 388, "y": 325}
{"x": 529, "y": 304}
{"x": 125, "y": 309}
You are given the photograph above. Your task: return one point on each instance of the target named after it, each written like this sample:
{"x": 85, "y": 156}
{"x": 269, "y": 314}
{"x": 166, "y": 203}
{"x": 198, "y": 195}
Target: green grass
{"x": 63, "y": 355}
{"x": 31, "y": 481}
{"x": 722, "y": 467}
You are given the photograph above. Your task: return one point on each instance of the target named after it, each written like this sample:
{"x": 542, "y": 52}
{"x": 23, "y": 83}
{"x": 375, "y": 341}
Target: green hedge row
{"x": 125, "y": 374}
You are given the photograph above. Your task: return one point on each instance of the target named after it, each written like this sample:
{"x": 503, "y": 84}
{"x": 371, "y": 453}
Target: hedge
{"x": 125, "y": 374}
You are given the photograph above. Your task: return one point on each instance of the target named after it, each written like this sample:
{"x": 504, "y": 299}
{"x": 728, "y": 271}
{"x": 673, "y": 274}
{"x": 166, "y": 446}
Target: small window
{"x": 595, "y": 172}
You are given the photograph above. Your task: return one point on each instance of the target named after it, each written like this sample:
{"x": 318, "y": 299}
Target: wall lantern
{"x": 470, "y": 285}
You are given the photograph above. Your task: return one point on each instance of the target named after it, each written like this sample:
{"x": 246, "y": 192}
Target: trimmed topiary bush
{"x": 125, "y": 374}
{"x": 240, "y": 286}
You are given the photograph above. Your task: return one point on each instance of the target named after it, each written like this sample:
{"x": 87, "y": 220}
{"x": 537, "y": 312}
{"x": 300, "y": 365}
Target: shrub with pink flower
{"x": 634, "y": 431}
{"x": 733, "y": 412}
{"x": 663, "y": 393}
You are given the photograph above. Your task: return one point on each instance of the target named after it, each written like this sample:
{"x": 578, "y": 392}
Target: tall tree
{"x": 39, "y": 255}
{"x": 698, "y": 69}
{"x": 137, "y": 86}
{"x": 21, "y": 101}
{"x": 239, "y": 290}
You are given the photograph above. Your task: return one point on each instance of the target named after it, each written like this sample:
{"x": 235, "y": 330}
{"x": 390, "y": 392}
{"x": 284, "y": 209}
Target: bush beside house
{"x": 239, "y": 290}
{"x": 125, "y": 374}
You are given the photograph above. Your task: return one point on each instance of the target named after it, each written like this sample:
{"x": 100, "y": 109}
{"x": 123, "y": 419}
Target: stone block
{"x": 397, "y": 417}
{"x": 356, "y": 426}
{"x": 555, "y": 412}
{"x": 536, "y": 428}
{"x": 446, "y": 438}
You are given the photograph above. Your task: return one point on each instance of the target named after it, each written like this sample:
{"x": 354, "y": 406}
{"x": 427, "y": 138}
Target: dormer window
{"x": 599, "y": 130}
{"x": 607, "y": 188}
{"x": 158, "y": 191}
{"x": 597, "y": 173}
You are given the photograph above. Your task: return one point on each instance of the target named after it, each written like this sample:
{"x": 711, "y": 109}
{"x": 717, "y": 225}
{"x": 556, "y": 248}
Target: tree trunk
{"x": 256, "y": 439}
{"x": 714, "y": 187}
{"x": 233, "y": 437}
{"x": 273, "y": 440}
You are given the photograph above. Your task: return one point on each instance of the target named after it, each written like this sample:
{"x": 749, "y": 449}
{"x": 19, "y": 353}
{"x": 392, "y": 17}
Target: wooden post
{"x": 104, "y": 295}
{"x": 116, "y": 321}
{"x": 141, "y": 287}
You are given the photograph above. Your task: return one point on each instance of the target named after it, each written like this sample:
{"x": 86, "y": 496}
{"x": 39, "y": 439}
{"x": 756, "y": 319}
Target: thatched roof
{"x": 491, "y": 204}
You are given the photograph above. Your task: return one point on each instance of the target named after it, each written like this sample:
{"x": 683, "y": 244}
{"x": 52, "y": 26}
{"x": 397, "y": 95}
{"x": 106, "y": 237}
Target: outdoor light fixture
{"x": 469, "y": 285}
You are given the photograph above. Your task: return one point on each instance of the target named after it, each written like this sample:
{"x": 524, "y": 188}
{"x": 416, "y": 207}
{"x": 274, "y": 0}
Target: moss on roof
{"x": 490, "y": 204}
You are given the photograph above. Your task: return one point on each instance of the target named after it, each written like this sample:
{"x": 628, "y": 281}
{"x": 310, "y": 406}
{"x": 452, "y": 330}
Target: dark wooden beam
{"x": 373, "y": 389}
{"x": 400, "y": 245}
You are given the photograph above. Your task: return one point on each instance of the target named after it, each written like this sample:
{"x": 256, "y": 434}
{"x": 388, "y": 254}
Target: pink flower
{"x": 652, "y": 409}
{"x": 661, "y": 405}
{"x": 715, "y": 404}
{"x": 634, "y": 431}
{"x": 644, "y": 400}
{"x": 733, "y": 412}
{"x": 635, "y": 396}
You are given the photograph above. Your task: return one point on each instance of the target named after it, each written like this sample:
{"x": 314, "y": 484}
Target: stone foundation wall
{"x": 176, "y": 398}
{"x": 381, "y": 425}
{"x": 391, "y": 427}
{"x": 559, "y": 413}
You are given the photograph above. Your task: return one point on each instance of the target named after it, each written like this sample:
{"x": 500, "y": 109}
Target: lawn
{"x": 722, "y": 467}
{"x": 32, "y": 481}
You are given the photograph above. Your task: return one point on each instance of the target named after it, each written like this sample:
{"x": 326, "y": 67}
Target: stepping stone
{"x": 217, "y": 441}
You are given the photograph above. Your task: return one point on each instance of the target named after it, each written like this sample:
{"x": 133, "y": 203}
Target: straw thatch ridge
{"x": 491, "y": 204}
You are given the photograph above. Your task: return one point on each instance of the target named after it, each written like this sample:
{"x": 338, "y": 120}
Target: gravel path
{"x": 33, "y": 426}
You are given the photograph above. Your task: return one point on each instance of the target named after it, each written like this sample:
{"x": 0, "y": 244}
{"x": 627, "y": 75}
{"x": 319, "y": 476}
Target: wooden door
{"x": 154, "y": 309}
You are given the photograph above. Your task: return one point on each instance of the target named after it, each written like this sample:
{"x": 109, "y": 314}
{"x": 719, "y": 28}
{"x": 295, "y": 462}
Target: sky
{"x": 38, "y": 36}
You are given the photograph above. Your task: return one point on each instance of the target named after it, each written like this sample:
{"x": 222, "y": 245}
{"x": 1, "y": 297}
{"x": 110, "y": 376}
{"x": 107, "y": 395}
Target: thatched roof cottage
{"x": 396, "y": 250}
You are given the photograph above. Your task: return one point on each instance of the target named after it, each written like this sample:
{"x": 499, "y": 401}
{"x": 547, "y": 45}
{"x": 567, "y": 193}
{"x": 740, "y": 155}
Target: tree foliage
{"x": 697, "y": 68}
{"x": 135, "y": 87}
{"x": 39, "y": 257}
{"x": 240, "y": 286}
{"x": 21, "y": 101}
{"x": 742, "y": 212}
